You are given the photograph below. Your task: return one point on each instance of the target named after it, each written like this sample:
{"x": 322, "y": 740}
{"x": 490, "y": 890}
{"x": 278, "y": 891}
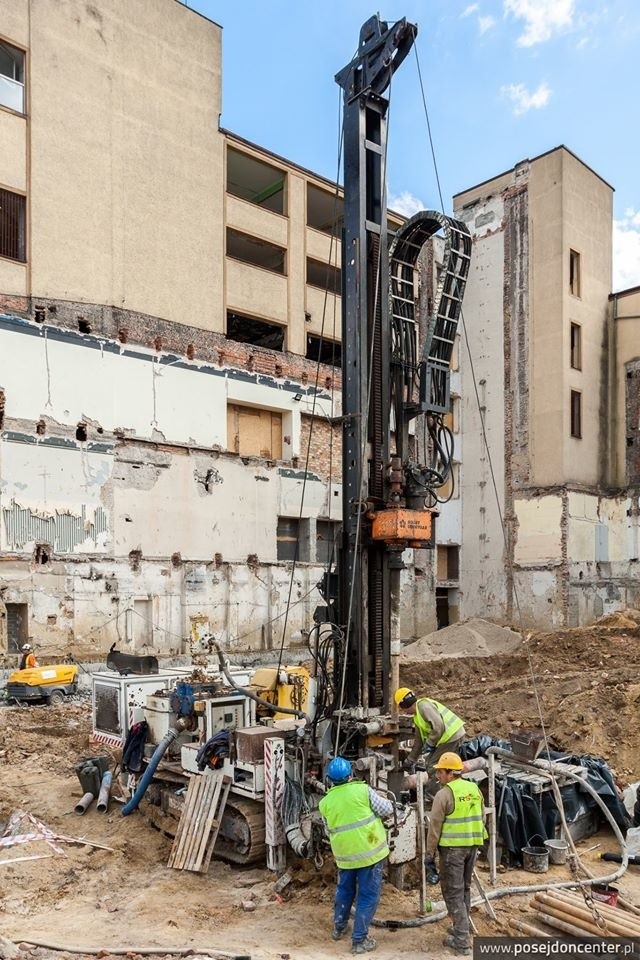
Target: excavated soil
{"x": 127, "y": 897}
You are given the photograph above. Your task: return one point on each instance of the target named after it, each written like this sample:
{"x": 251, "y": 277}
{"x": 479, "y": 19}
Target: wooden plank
{"x": 200, "y": 822}
{"x": 226, "y": 786}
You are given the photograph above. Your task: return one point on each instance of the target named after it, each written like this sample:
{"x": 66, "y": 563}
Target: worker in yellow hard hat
{"x": 438, "y": 729}
{"x": 456, "y": 832}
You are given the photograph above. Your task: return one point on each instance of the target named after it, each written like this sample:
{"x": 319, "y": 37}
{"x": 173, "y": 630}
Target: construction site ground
{"x": 126, "y": 897}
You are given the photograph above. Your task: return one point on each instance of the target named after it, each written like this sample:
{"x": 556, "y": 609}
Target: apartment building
{"x": 550, "y": 501}
{"x": 169, "y": 347}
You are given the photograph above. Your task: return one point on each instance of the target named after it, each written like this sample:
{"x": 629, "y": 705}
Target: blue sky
{"x": 504, "y": 80}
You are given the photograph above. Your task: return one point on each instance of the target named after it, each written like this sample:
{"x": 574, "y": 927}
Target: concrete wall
{"x": 624, "y": 341}
{"x": 128, "y": 135}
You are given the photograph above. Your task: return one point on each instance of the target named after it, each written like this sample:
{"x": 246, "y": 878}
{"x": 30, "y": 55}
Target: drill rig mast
{"x": 385, "y": 384}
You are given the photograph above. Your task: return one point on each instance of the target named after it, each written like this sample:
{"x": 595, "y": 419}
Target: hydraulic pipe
{"x": 105, "y": 790}
{"x": 147, "y": 776}
{"x": 249, "y": 693}
{"x": 83, "y": 805}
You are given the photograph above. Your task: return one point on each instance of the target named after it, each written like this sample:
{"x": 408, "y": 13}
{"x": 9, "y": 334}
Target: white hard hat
{"x": 26, "y": 647}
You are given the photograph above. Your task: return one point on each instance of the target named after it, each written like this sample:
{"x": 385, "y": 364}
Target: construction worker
{"x": 438, "y": 729}
{"x": 28, "y": 660}
{"x": 456, "y": 831}
{"x": 352, "y": 812}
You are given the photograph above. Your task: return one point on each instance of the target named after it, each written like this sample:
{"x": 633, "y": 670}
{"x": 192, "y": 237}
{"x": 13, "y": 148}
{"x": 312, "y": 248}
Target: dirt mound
{"x": 584, "y": 680}
{"x": 472, "y": 638}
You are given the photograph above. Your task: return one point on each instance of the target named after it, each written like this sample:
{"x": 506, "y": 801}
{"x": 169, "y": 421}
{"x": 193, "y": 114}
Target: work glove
{"x": 408, "y": 765}
{"x": 427, "y": 750}
{"x": 432, "y": 874}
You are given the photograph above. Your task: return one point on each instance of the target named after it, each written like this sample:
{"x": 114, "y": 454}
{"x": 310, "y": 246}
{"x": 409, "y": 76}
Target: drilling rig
{"x": 287, "y": 722}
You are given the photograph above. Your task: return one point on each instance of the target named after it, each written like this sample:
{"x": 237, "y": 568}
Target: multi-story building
{"x": 169, "y": 346}
{"x": 549, "y": 401}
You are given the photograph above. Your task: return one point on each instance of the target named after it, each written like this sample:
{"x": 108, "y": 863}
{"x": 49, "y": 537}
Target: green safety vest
{"x": 357, "y": 835}
{"x": 464, "y": 827}
{"x": 452, "y": 723}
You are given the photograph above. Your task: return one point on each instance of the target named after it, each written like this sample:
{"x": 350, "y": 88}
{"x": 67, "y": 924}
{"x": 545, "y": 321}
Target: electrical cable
{"x": 486, "y": 445}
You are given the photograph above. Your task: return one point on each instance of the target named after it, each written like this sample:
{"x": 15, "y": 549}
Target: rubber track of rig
{"x": 242, "y": 832}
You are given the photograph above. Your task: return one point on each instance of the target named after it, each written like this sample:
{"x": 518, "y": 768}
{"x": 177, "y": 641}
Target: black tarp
{"x": 526, "y": 818}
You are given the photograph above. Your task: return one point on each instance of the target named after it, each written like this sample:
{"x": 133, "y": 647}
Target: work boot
{"x": 460, "y": 949}
{"x": 364, "y": 946}
{"x": 337, "y": 933}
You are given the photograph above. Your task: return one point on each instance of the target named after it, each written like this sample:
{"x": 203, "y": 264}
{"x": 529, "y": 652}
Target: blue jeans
{"x": 366, "y": 882}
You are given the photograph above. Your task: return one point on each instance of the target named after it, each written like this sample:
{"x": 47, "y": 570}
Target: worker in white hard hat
{"x": 438, "y": 729}
{"x": 28, "y": 660}
{"x": 456, "y": 832}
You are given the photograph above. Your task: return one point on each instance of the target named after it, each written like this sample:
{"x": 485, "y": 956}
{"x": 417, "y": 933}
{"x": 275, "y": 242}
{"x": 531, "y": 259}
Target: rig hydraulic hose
{"x": 147, "y": 776}
{"x": 250, "y": 693}
{"x": 537, "y": 766}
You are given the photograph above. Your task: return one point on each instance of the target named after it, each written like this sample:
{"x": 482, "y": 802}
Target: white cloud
{"x": 542, "y": 18}
{"x": 485, "y": 23}
{"x": 469, "y": 10}
{"x": 405, "y": 203}
{"x": 524, "y": 101}
{"x": 626, "y": 251}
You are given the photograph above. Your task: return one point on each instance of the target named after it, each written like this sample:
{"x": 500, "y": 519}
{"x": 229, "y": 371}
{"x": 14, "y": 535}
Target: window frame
{"x": 21, "y": 83}
{"x": 22, "y": 227}
{"x": 575, "y": 412}
{"x": 575, "y": 273}
{"x": 575, "y": 353}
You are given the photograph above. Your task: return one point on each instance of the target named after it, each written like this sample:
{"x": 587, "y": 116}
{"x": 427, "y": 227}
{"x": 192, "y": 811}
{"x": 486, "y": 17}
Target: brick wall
{"x": 325, "y": 455}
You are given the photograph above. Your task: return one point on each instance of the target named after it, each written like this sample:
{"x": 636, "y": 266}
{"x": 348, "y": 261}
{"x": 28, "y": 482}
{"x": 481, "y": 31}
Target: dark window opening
{"x": 325, "y": 211}
{"x": 81, "y": 432}
{"x": 84, "y": 326}
{"x": 256, "y": 181}
{"x": 448, "y": 562}
{"x": 291, "y": 544}
{"x": 576, "y": 414}
{"x": 258, "y": 332}
{"x": 17, "y": 626}
{"x": 42, "y": 554}
{"x": 324, "y": 351}
{"x": 12, "y": 226}
{"x": 324, "y": 275}
{"x": 574, "y": 273}
{"x": 576, "y": 346}
{"x": 258, "y": 253}
{"x": 327, "y": 532}
{"x": 11, "y": 77}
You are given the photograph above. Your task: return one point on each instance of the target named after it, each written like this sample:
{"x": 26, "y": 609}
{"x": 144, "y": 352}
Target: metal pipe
{"x": 83, "y": 805}
{"x": 105, "y": 789}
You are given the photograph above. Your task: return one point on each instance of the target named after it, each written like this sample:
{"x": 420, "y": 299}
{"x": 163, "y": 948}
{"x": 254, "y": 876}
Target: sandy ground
{"x": 128, "y": 897}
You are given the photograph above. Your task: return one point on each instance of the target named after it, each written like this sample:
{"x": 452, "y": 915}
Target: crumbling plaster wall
{"x": 482, "y": 575}
{"x": 150, "y": 516}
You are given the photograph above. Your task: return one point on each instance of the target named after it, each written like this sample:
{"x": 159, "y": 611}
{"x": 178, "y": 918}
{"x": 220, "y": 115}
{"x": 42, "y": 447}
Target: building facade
{"x": 169, "y": 347}
{"x": 549, "y": 501}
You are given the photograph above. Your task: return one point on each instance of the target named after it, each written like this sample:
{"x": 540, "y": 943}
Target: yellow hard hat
{"x": 401, "y": 693}
{"x": 449, "y": 761}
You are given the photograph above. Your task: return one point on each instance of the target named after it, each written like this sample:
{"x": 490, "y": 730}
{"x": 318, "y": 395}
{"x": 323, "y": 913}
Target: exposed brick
{"x": 325, "y": 454}
{"x": 632, "y": 422}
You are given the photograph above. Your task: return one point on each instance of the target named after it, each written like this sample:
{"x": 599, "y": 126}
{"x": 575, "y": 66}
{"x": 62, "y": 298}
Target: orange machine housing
{"x": 402, "y": 526}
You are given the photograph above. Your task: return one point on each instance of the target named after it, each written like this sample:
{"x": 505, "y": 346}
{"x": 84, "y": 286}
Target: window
{"x": 324, "y": 275}
{"x": 11, "y": 77}
{"x": 12, "y": 225}
{"x": 259, "y": 253}
{"x": 325, "y": 211}
{"x": 448, "y": 562}
{"x": 258, "y": 332}
{"x": 293, "y": 539}
{"x": 327, "y": 541}
{"x": 576, "y": 414}
{"x": 574, "y": 273}
{"x": 256, "y": 181}
{"x": 253, "y": 432}
{"x": 323, "y": 350}
{"x": 576, "y": 346}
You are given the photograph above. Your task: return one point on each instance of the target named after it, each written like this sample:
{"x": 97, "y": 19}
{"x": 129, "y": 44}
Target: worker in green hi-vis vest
{"x": 456, "y": 832}
{"x": 438, "y": 729}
